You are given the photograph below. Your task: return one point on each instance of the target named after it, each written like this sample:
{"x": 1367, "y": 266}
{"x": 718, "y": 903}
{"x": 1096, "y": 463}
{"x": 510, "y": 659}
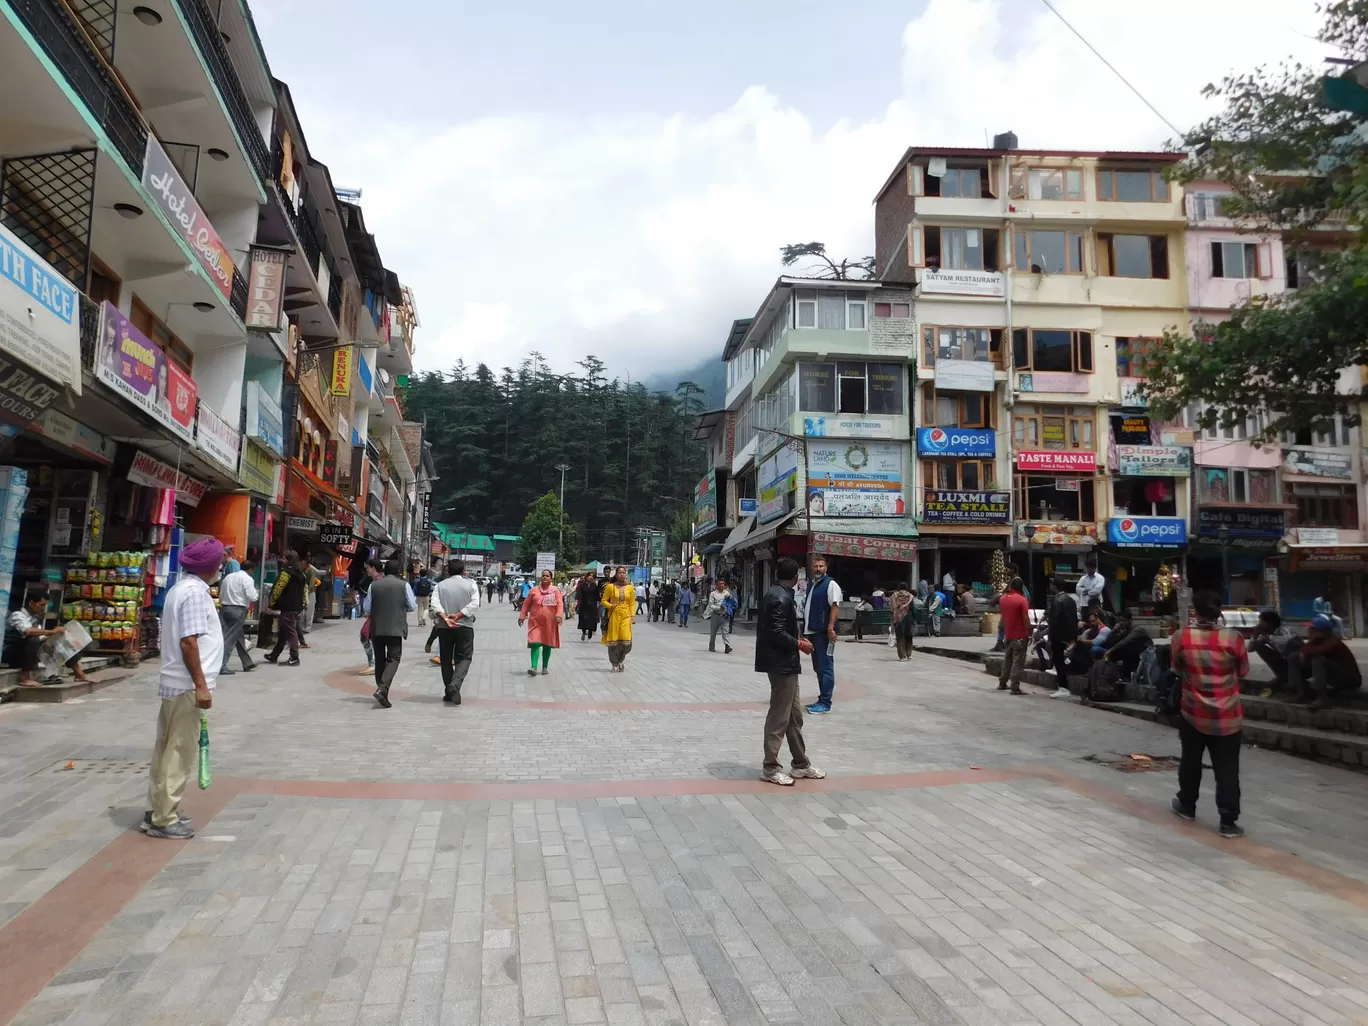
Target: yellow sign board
{"x": 341, "y": 372}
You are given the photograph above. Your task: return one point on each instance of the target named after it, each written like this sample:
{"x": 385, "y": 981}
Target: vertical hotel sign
{"x": 341, "y": 372}
{"x": 266, "y": 293}
{"x": 178, "y": 204}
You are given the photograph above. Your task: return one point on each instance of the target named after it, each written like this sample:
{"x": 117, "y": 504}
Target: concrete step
{"x": 66, "y": 690}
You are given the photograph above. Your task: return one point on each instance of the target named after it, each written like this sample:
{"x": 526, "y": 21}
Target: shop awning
{"x": 711, "y": 550}
{"x": 738, "y": 534}
{"x": 318, "y": 487}
{"x": 769, "y": 531}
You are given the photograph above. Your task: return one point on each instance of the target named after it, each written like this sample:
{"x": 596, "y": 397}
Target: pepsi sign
{"x": 938, "y": 441}
{"x": 1147, "y": 532}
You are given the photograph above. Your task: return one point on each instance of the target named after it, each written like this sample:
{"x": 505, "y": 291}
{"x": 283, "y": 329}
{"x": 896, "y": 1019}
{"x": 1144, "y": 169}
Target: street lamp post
{"x": 560, "y": 542}
{"x": 1224, "y": 533}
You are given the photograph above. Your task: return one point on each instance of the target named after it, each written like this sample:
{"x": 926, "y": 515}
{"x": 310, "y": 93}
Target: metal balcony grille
{"x": 210, "y": 43}
{"x": 90, "y": 331}
{"x": 68, "y": 47}
{"x": 97, "y": 16}
{"x": 47, "y": 202}
{"x": 238, "y": 297}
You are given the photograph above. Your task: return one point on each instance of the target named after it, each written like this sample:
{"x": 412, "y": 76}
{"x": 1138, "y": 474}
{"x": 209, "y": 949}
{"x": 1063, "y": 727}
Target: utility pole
{"x": 560, "y": 543}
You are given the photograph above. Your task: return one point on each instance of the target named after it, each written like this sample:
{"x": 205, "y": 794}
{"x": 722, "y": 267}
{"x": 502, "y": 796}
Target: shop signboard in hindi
{"x": 778, "y": 477}
{"x": 938, "y": 441}
{"x": 266, "y": 288}
{"x": 1315, "y": 463}
{"x": 265, "y": 423}
{"x": 1154, "y": 460}
{"x": 134, "y": 366}
{"x": 216, "y": 438}
{"x": 40, "y": 318}
{"x": 1147, "y": 532}
{"x": 705, "y": 503}
{"x": 951, "y": 507}
{"x": 178, "y": 205}
{"x": 1057, "y": 459}
{"x": 855, "y": 480}
{"x": 151, "y": 472}
{"x": 546, "y": 561}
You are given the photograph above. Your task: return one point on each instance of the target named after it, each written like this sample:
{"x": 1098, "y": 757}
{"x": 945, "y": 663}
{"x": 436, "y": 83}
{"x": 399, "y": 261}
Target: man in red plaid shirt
{"x": 1210, "y": 660}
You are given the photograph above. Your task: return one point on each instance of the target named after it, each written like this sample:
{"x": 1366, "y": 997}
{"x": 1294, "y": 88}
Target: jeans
{"x": 455, "y": 651}
{"x": 824, "y": 665}
{"x": 288, "y": 634}
{"x": 684, "y": 615}
{"x": 234, "y": 619}
{"x": 784, "y": 720}
{"x": 1225, "y": 765}
{"x": 389, "y": 648}
{"x": 719, "y": 624}
{"x": 1013, "y": 662}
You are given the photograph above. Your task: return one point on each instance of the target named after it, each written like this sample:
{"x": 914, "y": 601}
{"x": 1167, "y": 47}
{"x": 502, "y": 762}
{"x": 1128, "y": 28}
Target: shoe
{"x": 422, "y": 623}
{"x": 727, "y": 650}
{"x": 427, "y": 649}
{"x": 1231, "y": 830}
{"x": 174, "y": 832}
{"x": 1061, "y": 693}
{"x": 249, "y": 667}
{"x": 270, "y": 657}
{"x": 448, "y": 696}
{"x": 305, "y": 644}
{"x": 369, "y": 671}
{"x": 146, "y": 823}
{"x": 293, "y": 662}
{"x": 1002, "y": 687}
{"x": 807, "y": 773}
{"x": 225, "y": 671}
{"x": 455, "y": 698}
{"x": 817, "y": 708}
{"x": 544, "y": 671}
{"x": 435, "y": 661}
{"x": 1182, "y": 811}
{"x": 777, "y": 776}
{"x": 998, "y": 648}
{"x": 1018, "y": 691}
{"x": 1321, "y": 702}
{"x": 382, "y": 698}
{"x": 711, "y": 649}
{"x": 531, "y": 673}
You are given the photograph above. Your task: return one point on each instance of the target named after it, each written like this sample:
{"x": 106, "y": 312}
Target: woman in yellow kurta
{"x": 619, "y": 598}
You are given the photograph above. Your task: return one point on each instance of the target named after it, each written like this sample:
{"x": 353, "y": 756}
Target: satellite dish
{"x": 384, "y": 375}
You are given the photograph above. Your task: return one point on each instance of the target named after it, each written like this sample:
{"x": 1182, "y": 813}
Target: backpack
{"x": 423, "y": 587}
{"x": 1104, "y": 683}
{"x": 1168, "y": 686}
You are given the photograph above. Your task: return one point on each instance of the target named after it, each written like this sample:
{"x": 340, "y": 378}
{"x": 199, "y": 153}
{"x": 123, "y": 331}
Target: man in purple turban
{"x": 192, "y": 653}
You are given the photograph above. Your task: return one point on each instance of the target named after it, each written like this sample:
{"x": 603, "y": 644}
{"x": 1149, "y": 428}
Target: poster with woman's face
{"x": 1216, "y": 487}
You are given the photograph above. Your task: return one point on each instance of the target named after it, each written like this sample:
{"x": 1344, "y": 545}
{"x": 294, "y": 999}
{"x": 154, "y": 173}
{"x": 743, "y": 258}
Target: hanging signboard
{"x": 39, "y": 313}
{"x": 266, "y": 288}
{"x": 855, "y": 480}
{"x": 340, "y": 383}
{"x": 151, "y": 472}
{"x": 178, "y": 205}
{"x": 1154, "y": 460}
{"x": 135, "y": 367}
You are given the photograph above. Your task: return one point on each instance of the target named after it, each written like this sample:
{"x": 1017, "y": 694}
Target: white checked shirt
{"x": 189, "y": 612}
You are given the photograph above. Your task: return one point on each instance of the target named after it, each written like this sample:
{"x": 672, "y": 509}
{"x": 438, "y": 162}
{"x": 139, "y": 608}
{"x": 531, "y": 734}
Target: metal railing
{"x": 335, "y": 296}
{"x": 90, "y": 330}
{"x": 68, "y": 47}
{"x": 210, "y": 43}
{"x": 238, "y": 296}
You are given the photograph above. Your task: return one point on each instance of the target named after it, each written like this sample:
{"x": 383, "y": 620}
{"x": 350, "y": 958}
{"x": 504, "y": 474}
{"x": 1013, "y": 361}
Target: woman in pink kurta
{"x": 543, "y": 611}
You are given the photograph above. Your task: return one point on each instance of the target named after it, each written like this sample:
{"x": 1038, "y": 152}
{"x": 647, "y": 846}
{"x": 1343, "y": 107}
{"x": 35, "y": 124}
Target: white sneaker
{"x": 807, "y": 773}
{"x": 777, "y": 777}
{"x": 1062, "y": 693}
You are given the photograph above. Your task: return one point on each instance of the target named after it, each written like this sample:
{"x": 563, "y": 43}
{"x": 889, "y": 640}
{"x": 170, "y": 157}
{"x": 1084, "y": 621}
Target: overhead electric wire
{"x": 1125, "y": 81}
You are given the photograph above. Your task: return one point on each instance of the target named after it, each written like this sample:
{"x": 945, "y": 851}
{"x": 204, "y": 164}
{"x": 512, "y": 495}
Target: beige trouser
{"x": 174, "y": 757}
{"x": 784, "y": 720}
{"x": 424, "y": 601}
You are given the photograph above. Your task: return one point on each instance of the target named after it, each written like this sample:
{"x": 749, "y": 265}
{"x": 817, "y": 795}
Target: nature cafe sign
{"x": 178, "y": 203}
{"x": 39, "y": 315}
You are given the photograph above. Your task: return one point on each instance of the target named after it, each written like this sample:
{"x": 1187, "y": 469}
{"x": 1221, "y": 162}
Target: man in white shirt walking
{"x": 454, "y": 601}
{"x": 237, "y": 591}
{"x": 192, "y": 653}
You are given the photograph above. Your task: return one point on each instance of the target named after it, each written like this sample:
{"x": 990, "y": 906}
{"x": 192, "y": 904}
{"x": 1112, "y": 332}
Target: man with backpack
{"x": 422, "y": 591}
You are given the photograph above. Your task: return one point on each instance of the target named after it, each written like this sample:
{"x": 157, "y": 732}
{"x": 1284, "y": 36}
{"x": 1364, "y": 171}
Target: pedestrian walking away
{"x": 619, "y": 600}
{"x": 191, "y": 654}
{"x": 720, "y": 599}
{"x": 422, "y": 591}
{"x": 1061, "y": 617}
{"x": 387, "y": 605}
{"x": 587, "y": 605}
{"x": 823, "y": 605}
{"x": 686, "y": 602}
{"x": 903, "y": 623}
{"x": 1016, "y": 633}
{"x": 778, "y": 648}
{"x": 287, "y": 599}
{"x": 454, "y": 602}
{"x": 1210, "y": 661}
{"x": 312, "y": 580}
{"x": 237, "y": 592}
{"x": 542, "y": 612}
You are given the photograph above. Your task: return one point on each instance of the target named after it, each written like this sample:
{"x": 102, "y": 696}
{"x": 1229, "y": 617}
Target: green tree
{"x": 1297, "y": 169}
{"x": 541, "y": 532}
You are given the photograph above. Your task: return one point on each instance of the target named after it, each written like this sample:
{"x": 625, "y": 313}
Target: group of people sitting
{"x": 1313, "y": 669}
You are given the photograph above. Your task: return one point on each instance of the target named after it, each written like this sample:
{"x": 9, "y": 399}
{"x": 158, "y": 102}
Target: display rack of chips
{"x": 107, "y": 593}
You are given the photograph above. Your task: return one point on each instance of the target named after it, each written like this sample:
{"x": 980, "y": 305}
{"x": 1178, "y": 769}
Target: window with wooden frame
{"x": 1319, "y": 505}
{"x": 960, "y": 475}
{"x": 1241, "y": 260}
{"x": 981, "y": 345}
{"x": 957, "y": 409}
{"x": 957, "y": 182}
{"x": 1132, "y": 185}
{"x": 1048, "y": 252}
{"x": 884, "y": 310}
{"x": 1132, "y": 256}
{"x": 104, "y": 284}
{"x": 1039, "y": 497}
{"x": 1050, "y": 349}
{"x": 1062, "y": 428}
{"x": 148, "y": 323}
{"x": 1133, "y": 356}
{"x": 1236, "y": 484}
{"x": 1046, "y": 183}
{"x": 958, "y": 249}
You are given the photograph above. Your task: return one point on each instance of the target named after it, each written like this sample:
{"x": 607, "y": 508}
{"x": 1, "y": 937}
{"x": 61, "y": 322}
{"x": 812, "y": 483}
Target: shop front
{"x": 1318, "y": 567}
{"x": 862, "y": 563}
{"x": 1051, "y": 548}
{"x": 1233, "y": 553}
{"x": 963, "y": 519}
{"x": 1142, "y": 562}
{"x": 1056, "y": 516}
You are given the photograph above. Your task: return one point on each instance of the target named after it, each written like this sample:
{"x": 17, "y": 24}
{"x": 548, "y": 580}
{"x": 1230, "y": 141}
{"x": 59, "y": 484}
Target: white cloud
{"x": 639, "y": 239}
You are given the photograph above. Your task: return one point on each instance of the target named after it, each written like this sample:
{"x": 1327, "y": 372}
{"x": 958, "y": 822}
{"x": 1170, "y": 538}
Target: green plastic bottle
{"x": 204, "y": 751}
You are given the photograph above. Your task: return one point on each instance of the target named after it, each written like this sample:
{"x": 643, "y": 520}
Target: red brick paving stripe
{"x": 42, "y": 940}
{"x": 353, "y": 683}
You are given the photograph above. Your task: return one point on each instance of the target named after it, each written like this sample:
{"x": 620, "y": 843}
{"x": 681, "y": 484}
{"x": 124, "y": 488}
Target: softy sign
{"x": 955, "y": 442}
{"x": 1147, "y": 532}
{"x": 178, "y": 203}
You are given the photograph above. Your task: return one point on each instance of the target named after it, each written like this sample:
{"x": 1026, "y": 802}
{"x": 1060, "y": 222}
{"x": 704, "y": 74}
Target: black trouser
{"x": 1225, "y": 765}
{"x": 1126, "y": 652}
{"x": 388, "y": 650}
{"x": 436, "y": 633}
{"x": 1057, "y": 659}
{"x": 456, "y": 649}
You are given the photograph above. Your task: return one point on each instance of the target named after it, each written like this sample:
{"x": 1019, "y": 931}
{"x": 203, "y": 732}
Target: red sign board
{"x": 1057, "y": 459}
{"x": 330, "y": 461}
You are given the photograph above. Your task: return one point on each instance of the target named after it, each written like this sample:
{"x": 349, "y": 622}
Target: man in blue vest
{"x": 819, "y": 626}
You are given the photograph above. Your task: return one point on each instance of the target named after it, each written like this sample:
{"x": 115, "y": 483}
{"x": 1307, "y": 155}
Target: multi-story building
{"x": 1039, "y": 275}
{"x": 818, "y": 384}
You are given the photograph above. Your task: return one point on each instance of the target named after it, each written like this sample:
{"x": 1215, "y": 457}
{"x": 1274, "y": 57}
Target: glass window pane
{"x": 855, "y": 316}
{"x": 1075, "y": 254}
{"x": 969, "y": 476}
{"x": 1074, "y": 181}
{"x": 1022, "y": 261}
{"x": 883, "y": 310}
{"x": 902, "y": 310}
{"x": 1161, "y": 190}
{"x": 807, "y": 313}
{"x": 1131, "y": 256}
{"x": 1047, "y": 184}
{"x": 973, "y": 409}
{"x": 1054, "y": 428}
{"x": 885, "y": 388}
{"x": 1047, "y": 251}
{"x": 1133, "y": 186}
{"x": 1088, "y": 435}
{"x": 1104, "y": 185}
{"x": 1052, "y": 351}
{"x": 947, "y": 411}
{"x": 831, "y": 311}
{"x": 817, "y": 387}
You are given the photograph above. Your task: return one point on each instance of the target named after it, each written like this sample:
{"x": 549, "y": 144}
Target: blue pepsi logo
{"x": 1128, "y": 530}
{"x": 938, "y": 438}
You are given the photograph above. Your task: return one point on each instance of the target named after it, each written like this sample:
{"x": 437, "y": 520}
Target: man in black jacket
{"x": 777, "y": 648}
{"x": 1062, "y": 617}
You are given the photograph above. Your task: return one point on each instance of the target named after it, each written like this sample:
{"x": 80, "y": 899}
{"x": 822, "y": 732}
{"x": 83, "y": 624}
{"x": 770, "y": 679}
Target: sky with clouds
{"x": 616, "y": 178}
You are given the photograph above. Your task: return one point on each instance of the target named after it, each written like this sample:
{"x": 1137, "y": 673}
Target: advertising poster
{"x": 855, "y": 479}
{"x": 40, "y": 321}
{"x": 1154, "y": 461}
{"x": 938, "y": 441}
{"x": 135, "y": 367}
{"x": 778, "y": 477}
{"x": 705, "y": 503}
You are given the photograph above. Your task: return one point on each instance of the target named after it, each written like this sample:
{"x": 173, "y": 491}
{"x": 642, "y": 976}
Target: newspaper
{"x": 59, "y": 649}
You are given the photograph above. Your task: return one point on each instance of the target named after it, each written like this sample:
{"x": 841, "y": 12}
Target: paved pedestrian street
{"x": 587, "y": 847}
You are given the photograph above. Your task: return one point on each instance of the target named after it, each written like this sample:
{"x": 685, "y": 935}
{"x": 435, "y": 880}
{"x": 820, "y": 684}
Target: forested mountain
{"x": 709, "y": 374}
{"x": 497, "y": 438}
